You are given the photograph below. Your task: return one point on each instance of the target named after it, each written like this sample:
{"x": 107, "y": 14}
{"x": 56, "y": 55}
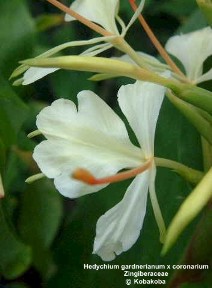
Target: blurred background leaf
{"x": 15, "y": 255}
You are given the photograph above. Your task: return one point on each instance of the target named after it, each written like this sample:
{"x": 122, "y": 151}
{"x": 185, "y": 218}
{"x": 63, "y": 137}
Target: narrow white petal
{"x": 155, "y": 205}
{"x": 74, "y": 44}
{"x": 101, "y": 12}
{"x": 204, "y": 77}
{"x": 141, "y": 103}
{"x": 192, "y": 50}
{"x": 33, "y": 74}
{"x": 136, "y": 14}
{"x": 119, "y": 228}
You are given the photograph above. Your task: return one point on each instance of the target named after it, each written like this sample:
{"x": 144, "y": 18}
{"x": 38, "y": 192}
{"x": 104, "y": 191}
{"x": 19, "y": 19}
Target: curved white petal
{"x": 72, "y": 188}
{"x": 94, "y": 118}
{"x": 119, "y": 228}
{"x": 102, "y": 12}
{"x": 192, "y": 50}
{"x": 141, "y": 103}
{"x": 33, "y": 74}
{"x": 93, "y": 137}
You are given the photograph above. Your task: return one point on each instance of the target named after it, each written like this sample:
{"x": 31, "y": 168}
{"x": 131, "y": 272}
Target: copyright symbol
{"x": 128, "y": 281}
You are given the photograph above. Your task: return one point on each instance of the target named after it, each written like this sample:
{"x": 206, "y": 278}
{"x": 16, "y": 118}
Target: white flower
{"x": 192, "y": 50}
{"x": 95, "y": 138}
{"x": 103, "y": 12}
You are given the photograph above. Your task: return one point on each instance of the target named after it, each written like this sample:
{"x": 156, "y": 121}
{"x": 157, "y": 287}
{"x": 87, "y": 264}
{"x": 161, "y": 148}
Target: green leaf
{"x": 17, "y": 34}
{"x": 13, "y": 112}
{"x": 2, "y": 155}
{"x": 177, "y": 8}
{"x": 39, "y": 220}
{"x": 198, "y": 252}
{"x": 194, "y": 22}
{"x": 15, "y": 255}
{"x": 47, "y": 21}
{"x": 67, "y": 84}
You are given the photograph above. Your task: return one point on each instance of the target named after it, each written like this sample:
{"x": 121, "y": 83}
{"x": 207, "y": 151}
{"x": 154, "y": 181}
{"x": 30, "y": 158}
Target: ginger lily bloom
{"x": 105, "y": 13}
{"x": 94, "y": 139}
{"x": 192, "y": 50}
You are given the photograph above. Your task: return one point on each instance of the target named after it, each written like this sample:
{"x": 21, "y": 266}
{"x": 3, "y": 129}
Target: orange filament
{"x": 155, "y": 42}
{"x": 86, "y": 177}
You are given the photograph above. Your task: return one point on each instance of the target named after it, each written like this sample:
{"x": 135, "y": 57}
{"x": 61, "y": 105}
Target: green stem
{"x": 156, "y": 208}
{"x": 190, "y": 174}
{"x": 207, "y": 154}
{"x": 193, "y": 115}
{"x": 205, "y": 115}
{"x": 102, "y": 65}
{"x": 194, "y": 95}
{"x": 123, "y": 46}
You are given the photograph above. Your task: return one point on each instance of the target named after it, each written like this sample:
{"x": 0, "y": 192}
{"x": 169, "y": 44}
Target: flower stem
{"x": 193, "y": 115}
{"x": 190, "y": 174}
{"x": 156, "y": 42}
{"x": 206, "y": 154}
{"x": 123, "y": 46}
{"x": 102, "y": 65}
{"x": 156, "y": 207}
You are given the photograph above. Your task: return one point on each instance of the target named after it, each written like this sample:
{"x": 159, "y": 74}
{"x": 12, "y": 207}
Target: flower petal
{"x": 83, "y": 139}
{"x": 141, "y": 103}
{"x": 192, "y": 50}
{"x": 33, "y": 74}
{"x": 204, "y": 77}
{"x": 119, "y": 228}
{"x": 101, "y": 12}
{"x": 72, "y": 188}
{"x": 94, "y": 116}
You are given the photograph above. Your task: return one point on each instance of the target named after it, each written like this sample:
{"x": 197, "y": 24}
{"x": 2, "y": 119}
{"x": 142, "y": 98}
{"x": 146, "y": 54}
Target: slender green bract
{"x": 197, "y": 96}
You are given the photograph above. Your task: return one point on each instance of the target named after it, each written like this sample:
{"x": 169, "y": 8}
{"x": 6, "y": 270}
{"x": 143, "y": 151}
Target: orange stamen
{"x": 85, "y": 176}
{"x": 80, "y": 18}
{"x": 156, "y": 42}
